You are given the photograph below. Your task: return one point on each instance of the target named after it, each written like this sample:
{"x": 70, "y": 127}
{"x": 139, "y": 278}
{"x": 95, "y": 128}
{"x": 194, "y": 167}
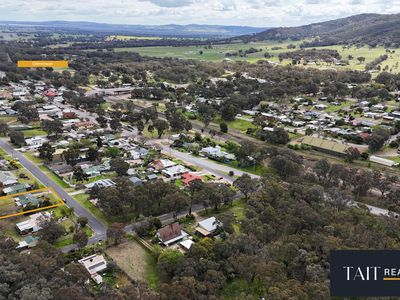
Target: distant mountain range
{"x": 371, "y": 29}
{"x": 170, "y": 30}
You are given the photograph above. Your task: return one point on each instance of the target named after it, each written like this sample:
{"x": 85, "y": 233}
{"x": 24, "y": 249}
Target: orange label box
{"x": 42, "y": 64}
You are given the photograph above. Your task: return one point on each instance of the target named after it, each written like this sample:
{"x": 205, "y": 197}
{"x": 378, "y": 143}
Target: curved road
{"x": 97, "y": 226}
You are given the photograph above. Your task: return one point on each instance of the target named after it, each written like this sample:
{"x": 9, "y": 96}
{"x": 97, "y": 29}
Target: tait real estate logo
{"x": 365, "y": 273}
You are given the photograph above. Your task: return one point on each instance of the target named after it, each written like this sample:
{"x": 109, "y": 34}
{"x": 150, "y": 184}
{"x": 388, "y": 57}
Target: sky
{"x": 261, "y": 13}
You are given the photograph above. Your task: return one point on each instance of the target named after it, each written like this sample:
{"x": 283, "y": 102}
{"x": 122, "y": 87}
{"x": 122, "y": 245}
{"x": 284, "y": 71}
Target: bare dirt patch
{"x": 131, "y": 258}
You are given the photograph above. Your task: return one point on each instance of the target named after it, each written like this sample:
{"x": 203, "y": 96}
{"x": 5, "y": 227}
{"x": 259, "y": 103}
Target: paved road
{"x": 98, "y": 227}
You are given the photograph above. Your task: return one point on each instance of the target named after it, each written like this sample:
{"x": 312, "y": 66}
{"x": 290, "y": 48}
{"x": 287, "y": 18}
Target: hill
{"x": 370, "y": 29}
{"x": 170, "y": 30}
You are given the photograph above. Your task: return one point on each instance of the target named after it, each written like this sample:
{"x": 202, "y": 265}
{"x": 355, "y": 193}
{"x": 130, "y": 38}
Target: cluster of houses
{"x": 304, "y": 114}
{"x": 11, "y": 185}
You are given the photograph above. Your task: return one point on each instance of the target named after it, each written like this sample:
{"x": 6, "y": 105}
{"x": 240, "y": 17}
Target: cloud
{"x": 171, "y": 3}
{"x": 263, "y": 13}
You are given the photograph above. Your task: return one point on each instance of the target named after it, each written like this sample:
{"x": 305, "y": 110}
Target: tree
{"x": 375, "y": 142}
{"x": 46, "y": 151}
{"x": 383, "y": 183}
{"x": 246, "y": 184}
{"x": 352, "y": 154}
{"x": 361, "y": 59}
{"x": 160, "y": 126}
{"x": 119, "y": 166}
{"x": 51, "y": 231}
{"x": 115, "y": 124}
{"x": 80, "y": 238}
{"x": 4, "y": 129}
{"x": 71, "y": 156}
{"x": 115, "y": 233}
{"x": 223, "y": 127}
{"x": 80, "y": 175}
{"x": 175, "y": 203}
{"x": 92, "y": 154}
{"x": 168, "y": 260}
{"x": 140, "y": 126}
{"x": 361, "y": 182}
{"x": 285, "y": 167}
{"x": 17, "y": 138}
{"x": 99, "y": 142}
{"x": 102, "y": 121}
{"x": 82, "y": 221}
{"x": 206, "y": 113}
{"x": 52, "y": 127}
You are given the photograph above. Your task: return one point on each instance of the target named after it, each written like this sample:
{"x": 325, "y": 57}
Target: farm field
{"x": 217, "y": 53}
{"x": 130, "y": 37}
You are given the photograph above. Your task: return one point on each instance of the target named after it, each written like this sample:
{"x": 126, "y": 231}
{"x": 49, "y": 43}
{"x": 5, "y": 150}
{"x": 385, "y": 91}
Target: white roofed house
{"x": 163, "y": 163}
{"x": 33, "y": 223}
{"x": 7, "y": 178}
{"x": 217, "y": 154}
{"x": 175, "y": 171}
{"x": 35, "y": 142}
{"x": 94, "y": 264}
{"x": 208, "y": 227}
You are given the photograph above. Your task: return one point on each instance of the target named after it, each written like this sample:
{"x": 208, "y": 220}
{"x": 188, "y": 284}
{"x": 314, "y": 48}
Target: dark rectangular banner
{"x": 365, "y": 273}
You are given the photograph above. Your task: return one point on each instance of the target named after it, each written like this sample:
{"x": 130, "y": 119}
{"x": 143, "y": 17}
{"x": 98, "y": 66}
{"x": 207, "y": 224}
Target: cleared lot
{"x": 135, "y": 261}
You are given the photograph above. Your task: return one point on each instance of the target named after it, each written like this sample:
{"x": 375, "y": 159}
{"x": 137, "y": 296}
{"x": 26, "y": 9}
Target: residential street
{"x": 213, "y": 167}
{"x": 97, "y": 226}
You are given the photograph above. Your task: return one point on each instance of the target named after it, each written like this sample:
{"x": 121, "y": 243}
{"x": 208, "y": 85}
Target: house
{"x": 136, "y": 180}
{"x": 94, "y": 264}
{"x": 68, "y": 114}
{"x": 33, "y": 223}
{"x": 138, "y": 153}
{"x": 93, "y": 171}
{"x": 28, "y": 242}
{"x": 7, "y": 178}
{"x": 170, "y": 234}
{"x": 15, "y": 189}
{"x": 50, "y": 93}
{"x": 35, "y": 142}
{"x": 163, "y": 164}
{"x": 321, "y": 106}
{"x": 61, "y": 169}
{"x": 187, "y": 178}
{"x": 217, "y": 154}
{"x": 175, "y": 171}
{"x": 102, "y": 183}
{"x": 208, "y": 226}
{"x": 25, "y": 200}
{"x": 151, "y": 177}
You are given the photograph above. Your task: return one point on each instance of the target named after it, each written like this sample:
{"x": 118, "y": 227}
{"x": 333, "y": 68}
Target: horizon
{"x": 254, "y": 13}
{"x": 176, "y": 24}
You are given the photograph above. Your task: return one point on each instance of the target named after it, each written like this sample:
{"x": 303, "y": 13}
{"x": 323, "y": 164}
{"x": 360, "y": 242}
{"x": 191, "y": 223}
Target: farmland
{"x": 218, "y": 53}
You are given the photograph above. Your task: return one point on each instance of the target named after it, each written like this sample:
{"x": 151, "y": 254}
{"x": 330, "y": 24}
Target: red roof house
{"x": 50, "y": 93}
{"x": 187, "y": 178}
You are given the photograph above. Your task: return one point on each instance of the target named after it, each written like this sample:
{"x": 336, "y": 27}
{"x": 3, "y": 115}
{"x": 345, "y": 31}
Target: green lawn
{"x": 83, "y": 199}
{"x": 33, "y": 132}
{"x": 54, "y": 177}
{"x": 335, "y": 108}
{"x": 238, "y": 124}
{"x": 152, "y": 276}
